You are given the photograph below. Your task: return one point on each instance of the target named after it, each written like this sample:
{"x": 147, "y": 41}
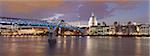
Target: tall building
{"x": 92, "y": 21}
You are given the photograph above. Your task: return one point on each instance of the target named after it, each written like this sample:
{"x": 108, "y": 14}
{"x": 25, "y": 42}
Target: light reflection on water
{"x": 75, "y": 46}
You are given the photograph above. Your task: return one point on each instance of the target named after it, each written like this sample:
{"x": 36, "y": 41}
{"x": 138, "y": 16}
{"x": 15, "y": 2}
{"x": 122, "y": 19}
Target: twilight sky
{"x": 75, "y": 11}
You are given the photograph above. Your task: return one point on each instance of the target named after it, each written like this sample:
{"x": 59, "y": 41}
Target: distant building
{"x": 92, "y": 21}
{"x": 96, "y": 28}
{"x": 145, "y": 29}
{"x": 104, "y": 24}
{"x": 92, "y": 25}
{"x": 20, "y": 26}
{"x": 116, "y": 28}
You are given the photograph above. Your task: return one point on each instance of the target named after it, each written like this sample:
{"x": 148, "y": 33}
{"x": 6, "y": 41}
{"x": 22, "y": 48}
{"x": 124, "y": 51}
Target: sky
{"x": 78, "y": 11}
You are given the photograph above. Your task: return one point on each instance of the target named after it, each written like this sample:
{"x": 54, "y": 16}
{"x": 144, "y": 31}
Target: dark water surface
{"x": 75, "y": 46}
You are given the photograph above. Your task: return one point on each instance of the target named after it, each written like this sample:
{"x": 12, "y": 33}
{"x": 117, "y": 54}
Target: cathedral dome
{"x": 92, "y": 20}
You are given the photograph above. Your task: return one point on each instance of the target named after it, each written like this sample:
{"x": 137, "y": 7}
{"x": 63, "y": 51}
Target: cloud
{"x": 56, "y": 16}
{"x": 66, "y": 9}
{"x": 12, "y": 8}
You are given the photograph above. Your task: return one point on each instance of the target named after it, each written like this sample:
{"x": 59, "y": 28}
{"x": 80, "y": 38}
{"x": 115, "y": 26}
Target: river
{"x": 75, "y": 46}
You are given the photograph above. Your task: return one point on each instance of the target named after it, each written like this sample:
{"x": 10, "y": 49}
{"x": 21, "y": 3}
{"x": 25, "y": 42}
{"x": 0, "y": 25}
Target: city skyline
{"x": 74, "y": 27}
{"x": 74, "y": 12}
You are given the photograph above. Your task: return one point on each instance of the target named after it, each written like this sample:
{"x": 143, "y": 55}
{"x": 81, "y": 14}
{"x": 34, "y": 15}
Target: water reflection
{"x": 138, "y": 46}
{"x": 75, "y": 46}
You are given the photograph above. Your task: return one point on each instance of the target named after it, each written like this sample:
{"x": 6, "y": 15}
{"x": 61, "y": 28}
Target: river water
{"x": 75, "y": 46}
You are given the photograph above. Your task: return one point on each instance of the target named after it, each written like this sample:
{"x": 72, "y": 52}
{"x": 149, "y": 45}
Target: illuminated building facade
{"x": 92, "y": 20}
{"x": 19, "y": 26}
{"x": 145, "y": 29}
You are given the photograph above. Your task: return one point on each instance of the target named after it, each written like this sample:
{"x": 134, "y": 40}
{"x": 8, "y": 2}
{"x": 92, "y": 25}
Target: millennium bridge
{"x": 20, "y": 26}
